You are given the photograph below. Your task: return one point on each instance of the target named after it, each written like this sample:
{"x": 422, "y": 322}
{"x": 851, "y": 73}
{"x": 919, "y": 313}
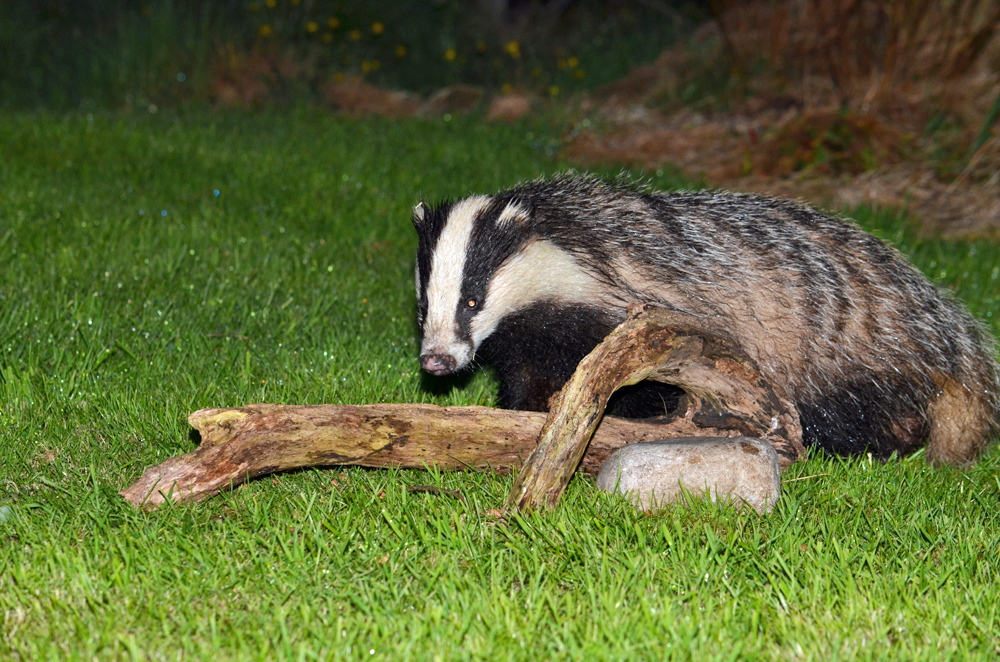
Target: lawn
{"x": 151, "y": 266}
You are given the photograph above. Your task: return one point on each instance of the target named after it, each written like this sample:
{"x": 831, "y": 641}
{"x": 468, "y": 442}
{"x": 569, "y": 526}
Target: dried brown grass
{"x": 873, "y": 56}
{"x": 836, "y": 101}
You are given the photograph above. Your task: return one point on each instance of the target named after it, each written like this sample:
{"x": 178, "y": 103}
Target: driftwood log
{"x": 725, "y": 397}
{"x": 243, "y": 443}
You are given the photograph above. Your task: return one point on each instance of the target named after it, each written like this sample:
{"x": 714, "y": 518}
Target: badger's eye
{"x": 471, "y": 304}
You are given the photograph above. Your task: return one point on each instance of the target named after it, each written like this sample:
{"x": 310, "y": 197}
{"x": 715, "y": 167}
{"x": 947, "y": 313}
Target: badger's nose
{"x": 438, "y": 364}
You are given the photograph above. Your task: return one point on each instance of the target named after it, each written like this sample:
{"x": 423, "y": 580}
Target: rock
{"x": 739, "y": 470}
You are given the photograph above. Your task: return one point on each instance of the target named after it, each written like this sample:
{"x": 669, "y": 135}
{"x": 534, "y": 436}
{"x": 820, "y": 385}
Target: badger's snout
{"x": 438, "y": 364}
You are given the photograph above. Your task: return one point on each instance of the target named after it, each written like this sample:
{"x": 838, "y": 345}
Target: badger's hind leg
{"x": 961, "y": 423}
{"x": 877, "y": 416}
{"x": 953, "y": 421}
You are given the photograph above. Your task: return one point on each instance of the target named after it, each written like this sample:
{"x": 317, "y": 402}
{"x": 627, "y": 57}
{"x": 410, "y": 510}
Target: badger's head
{"x": 463, "y": 287}
{"x": 479, "y": 260}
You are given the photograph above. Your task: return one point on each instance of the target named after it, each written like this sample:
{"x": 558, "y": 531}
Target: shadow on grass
{"x": 441, "y": 386}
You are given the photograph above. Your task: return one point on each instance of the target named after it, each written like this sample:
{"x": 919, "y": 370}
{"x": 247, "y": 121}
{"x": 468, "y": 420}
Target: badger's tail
{"x": 964, "y": 415}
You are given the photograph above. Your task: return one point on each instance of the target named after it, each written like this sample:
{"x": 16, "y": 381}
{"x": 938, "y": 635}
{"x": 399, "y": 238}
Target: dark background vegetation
{"x": 114, "y": 53}
{"x": 64, "y": 54}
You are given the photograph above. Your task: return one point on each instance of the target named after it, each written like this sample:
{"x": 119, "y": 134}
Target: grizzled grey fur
{"x": 875, "y": 357}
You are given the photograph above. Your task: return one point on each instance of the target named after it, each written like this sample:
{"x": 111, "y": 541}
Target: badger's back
{"x": 874, "y": 355}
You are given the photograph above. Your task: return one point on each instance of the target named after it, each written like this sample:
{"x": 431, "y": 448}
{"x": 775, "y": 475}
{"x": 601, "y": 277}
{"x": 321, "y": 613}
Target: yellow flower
{"x": 271, "y": 4}
{"x": 513, "y": 48}
{"x": 450, "y": 54}
{"x": 506, "y": 88}
{"x": 338, "y": 77}
{"x": 561, "y": 64}
{"x": 579, "y": 73}
{"x": 554, "y": 90}
{"x": 264, "y": 30}
{"x": 365, "y": 67}
{"x": 333, "y": 23}
{"x": 401, "y": 51}
{"x": 327, "y": 37}
{"x": 296, "y": 2}
{"x": 355, "y": 35}
{"x": 573, "y": 62}
{"x": 536, "y": 72}
{"x": 312, "y": 26}
{"x": 377, "y": 28}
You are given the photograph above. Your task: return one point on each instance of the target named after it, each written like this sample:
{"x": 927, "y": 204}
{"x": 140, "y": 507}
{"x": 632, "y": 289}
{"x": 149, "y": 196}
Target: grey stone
{"x": 738, "y": 470}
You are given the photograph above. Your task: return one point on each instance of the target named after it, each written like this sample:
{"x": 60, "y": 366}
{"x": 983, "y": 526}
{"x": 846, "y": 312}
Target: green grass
{"x": 293, "y": 285}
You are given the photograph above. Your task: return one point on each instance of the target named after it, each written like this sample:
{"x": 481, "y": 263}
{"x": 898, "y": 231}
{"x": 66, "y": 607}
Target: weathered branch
{"x": 242, "y": 443}
{"x": 724, "y": 389}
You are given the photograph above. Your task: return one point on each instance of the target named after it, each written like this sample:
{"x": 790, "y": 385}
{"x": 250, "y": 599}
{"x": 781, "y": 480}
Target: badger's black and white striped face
{"x": 479, "y": 260}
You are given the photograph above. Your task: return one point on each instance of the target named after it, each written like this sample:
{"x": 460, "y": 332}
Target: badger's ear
{"x": 419, "y": 214}
{"x": 517, "y": 212}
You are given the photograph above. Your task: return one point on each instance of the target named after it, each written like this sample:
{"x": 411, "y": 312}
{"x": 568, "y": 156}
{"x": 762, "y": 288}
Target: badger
{"x": 875, "y": 357}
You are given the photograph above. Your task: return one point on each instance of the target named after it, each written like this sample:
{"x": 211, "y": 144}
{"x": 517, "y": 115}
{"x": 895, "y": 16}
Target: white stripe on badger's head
{"x": 541, "y": 271}
{"x": 442, "y": 337}
{"x": 416, "y": 282}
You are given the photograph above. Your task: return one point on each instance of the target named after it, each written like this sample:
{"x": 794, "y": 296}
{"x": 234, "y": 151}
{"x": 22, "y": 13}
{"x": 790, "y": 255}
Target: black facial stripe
{"x": 428, "y": 234}
{"x": 489, "y": 248}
